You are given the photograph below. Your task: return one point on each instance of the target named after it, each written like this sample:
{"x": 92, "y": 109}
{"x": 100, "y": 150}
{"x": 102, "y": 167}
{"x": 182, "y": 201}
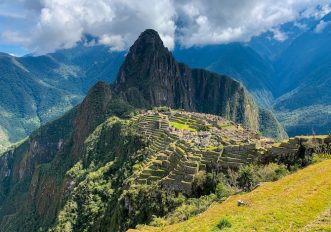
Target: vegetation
{"x": 289, "y": 204}
{"x": 181, "y": 126}
{"x": 212, "y": 187}
{"x": 35, "y": 90}
{"x": 187, "y": 208}
{"x": 224, "y": 223}
{"x": 129, "y": 159}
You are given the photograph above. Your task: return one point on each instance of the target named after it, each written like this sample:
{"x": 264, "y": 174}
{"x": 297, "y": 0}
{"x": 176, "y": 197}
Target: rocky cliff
{"x": 150, "y": 76}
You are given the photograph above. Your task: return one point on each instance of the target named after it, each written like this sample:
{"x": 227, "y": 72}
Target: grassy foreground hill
{"x": 298, "y": 202}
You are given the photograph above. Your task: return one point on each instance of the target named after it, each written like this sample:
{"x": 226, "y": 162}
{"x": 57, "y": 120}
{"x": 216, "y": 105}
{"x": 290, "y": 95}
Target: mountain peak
{"x": 147, "y": 61}
{"x": 149, "y": 38}
{"x": 147, "y": 44}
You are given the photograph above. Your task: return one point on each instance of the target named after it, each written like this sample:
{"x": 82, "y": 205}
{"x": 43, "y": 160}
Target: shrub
{"x": 224, "y": 223}
{"x": 198, "y": 183}
{"x": 247, "y": 179}
{"x": 320, "y": 157}
{"x": 271, "y": 172}
{"x": 159, "y": 222}
{"x": 232, "y": 177}
{"x": 205, "y": 183}
{"x": 189, "y": 208}
{"x": 222, "y": 191}
{"x": 294, "y": 167}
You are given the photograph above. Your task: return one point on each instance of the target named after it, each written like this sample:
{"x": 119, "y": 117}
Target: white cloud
{"x": 55, "y": 24}
{"x": 62, "y": 23}
{"x": 116, "y": 42}
{"x": 321, "y": 26}
{"x": 279, "y": 35}
{"x": 224, "y": 21}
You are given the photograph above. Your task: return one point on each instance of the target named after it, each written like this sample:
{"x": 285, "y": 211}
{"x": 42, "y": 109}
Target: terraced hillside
{"x": 298, "y": 202}
{"x": 183, "y": 143}
{"x": 161, "y": 149}
{"x": 101, "y": 168}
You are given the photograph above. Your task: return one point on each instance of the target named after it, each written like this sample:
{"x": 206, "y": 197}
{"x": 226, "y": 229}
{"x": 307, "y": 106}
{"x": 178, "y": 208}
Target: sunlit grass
{"x": 181, "y": 126}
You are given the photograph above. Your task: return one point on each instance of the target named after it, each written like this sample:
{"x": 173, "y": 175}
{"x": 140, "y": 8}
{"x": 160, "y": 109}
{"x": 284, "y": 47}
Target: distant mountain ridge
{"x": 238, "y": 61}
{"x": 292, "y": 78}
{"x": 304, "y": 95}
{"x": 35, "y": 90}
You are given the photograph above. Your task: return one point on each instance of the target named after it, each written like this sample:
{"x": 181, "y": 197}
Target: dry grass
{"x": 290, "y": 204}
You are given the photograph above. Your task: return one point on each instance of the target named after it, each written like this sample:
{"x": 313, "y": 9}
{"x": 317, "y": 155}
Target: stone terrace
{"x": 183, "y": 143}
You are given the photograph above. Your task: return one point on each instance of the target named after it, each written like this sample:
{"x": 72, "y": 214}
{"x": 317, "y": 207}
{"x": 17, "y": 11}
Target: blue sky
{"x": 43, "y": 26}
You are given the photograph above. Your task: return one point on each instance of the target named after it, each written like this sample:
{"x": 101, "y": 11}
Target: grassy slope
{"x": 297, "y": 201}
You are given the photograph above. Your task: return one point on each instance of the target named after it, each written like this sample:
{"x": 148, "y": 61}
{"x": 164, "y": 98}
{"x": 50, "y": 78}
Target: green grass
{"x": 181, "y": 126}
{"x": 297, "y": 202}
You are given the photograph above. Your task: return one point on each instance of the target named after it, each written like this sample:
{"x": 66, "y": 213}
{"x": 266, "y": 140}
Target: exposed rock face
{"x": 150, "y": 76}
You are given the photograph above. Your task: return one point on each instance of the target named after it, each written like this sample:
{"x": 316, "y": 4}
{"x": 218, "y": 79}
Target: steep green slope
{"x": 304, "y": 86}
{"x": 27, "y": 101}
{"x": 35, "y": 90}
{"x": 289, "y": 204}
{"x": 32, "y": 174}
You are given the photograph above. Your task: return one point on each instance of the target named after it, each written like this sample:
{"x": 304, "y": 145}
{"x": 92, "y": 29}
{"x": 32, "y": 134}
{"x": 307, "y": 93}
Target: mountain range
{"x": 284, "y": 77}
{"x": 35, "y": 90}
{"x": 160, "y": 137}
{"x": 110, "y": 139}
{"x": 292, "y": 77}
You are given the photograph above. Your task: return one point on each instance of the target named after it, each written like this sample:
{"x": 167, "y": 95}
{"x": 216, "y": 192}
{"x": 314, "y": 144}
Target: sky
{"x": 43, "y": 26}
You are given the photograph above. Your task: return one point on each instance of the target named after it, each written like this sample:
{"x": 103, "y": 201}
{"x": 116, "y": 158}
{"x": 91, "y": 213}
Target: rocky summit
{"x": 150, "y": 76}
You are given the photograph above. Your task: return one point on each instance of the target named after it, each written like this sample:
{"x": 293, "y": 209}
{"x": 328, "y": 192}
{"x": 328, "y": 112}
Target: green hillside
{"x": 36, "y": 90}
{"x": 298, "y": 202}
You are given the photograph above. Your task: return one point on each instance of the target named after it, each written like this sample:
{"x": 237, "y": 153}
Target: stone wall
{"x": 297, "y": 150}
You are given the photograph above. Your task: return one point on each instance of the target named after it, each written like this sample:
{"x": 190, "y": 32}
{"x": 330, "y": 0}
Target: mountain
{"x": 281, "y": 75}
{"x": 27, "y": 101}
{"x": 238, "y": 61}
{"x": 303, "y": 94}
{"x": 273, "y": 43}
{"x": 150, "y": 76}
{"x": 94, "y": 168}
{"x": 291, "y": 77}
{"x": 51, "y": 84}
